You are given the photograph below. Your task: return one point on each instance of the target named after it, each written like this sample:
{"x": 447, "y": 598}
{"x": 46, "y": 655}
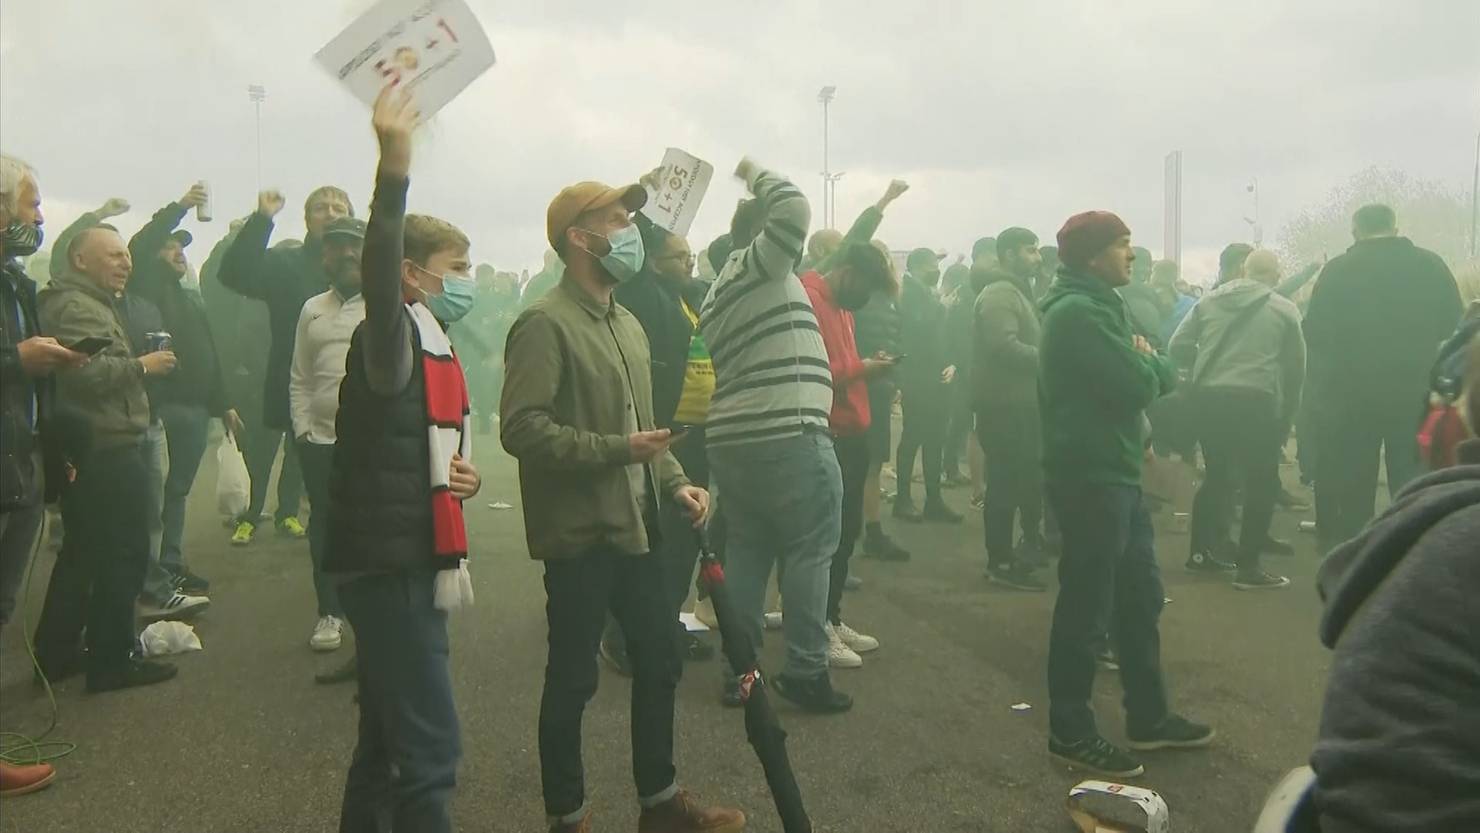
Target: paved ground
{"x": 244, "y": 740}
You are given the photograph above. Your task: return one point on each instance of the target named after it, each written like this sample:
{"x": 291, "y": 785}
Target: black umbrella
{"x": 761, "y": 726}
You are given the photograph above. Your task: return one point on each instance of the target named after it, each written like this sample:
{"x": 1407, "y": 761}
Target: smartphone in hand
{"x": 90, "y": 346}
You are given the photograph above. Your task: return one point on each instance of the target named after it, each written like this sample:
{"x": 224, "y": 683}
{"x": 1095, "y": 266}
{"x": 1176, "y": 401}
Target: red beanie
{"x": 1086, "y": 235}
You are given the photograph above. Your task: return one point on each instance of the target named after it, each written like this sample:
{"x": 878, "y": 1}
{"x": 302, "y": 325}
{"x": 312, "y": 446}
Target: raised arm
{"x": 867, "y": 225}
{"x": 144, "y": 246}
{"x": 387, "y": 334}
{"x": 777, "y": 248}
{"x": 59, "y": 265}
{"x": 247, "y": 269}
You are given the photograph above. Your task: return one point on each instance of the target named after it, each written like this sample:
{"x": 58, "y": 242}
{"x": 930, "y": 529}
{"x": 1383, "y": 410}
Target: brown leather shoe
{"x": 682, "y": 814}
{"x": 19, "y": 780}
{"x": 582, "y": 826}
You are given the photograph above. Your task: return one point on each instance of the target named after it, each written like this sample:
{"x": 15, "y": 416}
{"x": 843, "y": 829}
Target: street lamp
{"x": 257, "y": 93}
{"x": 826, "y": 96}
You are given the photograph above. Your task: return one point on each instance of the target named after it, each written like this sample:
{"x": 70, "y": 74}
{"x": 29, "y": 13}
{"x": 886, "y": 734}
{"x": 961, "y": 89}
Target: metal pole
{"x": 826, "y": 169}
{"x": 257, "y": 105}
{"x": 1475, "y": 203}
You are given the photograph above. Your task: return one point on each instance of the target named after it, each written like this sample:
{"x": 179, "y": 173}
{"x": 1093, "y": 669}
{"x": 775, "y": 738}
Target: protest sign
{"x": 673, "y": 200}
{"x": 435, "y": 48}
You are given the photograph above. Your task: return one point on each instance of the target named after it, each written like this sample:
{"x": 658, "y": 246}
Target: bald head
{"x": 823, "y": 245}
{"x": 100, "y": 254}
{"x": 1263, "y": 266}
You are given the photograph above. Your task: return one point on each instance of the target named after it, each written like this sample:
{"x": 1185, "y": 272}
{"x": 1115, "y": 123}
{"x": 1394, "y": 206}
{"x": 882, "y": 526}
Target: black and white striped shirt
{"x": 770, "y": 366}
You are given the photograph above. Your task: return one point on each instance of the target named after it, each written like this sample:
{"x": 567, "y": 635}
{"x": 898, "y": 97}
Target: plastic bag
{"x": 233, "y": 484}
{"x": 163, "y": 638}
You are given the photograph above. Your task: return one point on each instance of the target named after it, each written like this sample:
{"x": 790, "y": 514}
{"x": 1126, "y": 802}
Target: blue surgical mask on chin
{"x": 626, "y": 256}
{"x": 459, "y": 293}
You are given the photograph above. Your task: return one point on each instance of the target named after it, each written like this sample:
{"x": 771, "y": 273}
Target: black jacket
{"x": 922, "y": 335}
{"x": 657, "y": 307}
{"x": 197, "y": 378}
{"x": 18, "y": 322}
{"x": 1399, "y": 743}
{"x": 284, "y": 279}
{"x": 1375, "y": 322}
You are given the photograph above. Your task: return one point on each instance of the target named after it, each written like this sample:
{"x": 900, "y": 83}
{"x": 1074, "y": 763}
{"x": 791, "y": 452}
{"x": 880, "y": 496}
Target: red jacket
{"x": 850, "y": 414}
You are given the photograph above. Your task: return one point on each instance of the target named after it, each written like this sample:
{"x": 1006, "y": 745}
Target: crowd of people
{"x": 656, "y": 400}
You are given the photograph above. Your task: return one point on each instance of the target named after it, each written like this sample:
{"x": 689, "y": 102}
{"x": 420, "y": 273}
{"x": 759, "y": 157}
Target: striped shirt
{"x": 772, "y": 377}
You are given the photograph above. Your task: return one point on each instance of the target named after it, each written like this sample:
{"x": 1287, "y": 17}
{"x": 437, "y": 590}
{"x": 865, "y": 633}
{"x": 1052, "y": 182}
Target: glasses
{"x": 689, "y": 256}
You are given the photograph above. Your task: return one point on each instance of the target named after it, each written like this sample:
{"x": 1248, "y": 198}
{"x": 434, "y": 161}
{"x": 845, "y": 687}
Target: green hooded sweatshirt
{"x": 1093, "y": 385}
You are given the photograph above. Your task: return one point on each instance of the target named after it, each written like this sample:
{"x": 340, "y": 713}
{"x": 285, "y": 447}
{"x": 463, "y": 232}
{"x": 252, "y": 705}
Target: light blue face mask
{"x": 626, "y": 256}
{"x": 459, "y": 293}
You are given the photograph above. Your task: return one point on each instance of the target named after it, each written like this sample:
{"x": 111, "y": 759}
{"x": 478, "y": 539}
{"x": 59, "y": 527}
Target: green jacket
{"x": 1006, "y": 337}
{"x": 1093, "y": 385}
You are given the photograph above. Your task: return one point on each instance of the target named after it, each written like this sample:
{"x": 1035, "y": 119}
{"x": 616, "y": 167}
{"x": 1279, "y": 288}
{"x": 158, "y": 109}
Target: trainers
{"x": 178, "y": 607}
{"x": 291, "y": 528}
{"x": 1173, "y": 732}
{"x": 955, "y": 480}
{"x": 191, "y": 584}
{"x": 1015, "y": 576}
{"x": 582, "y": 826}
{"x": 243, "y": 534}
{"x": 1207, "y": 562}
{"x": 814, "y": 695}
{"x": 936, "y": 511}
{"x": 1258, "y": 580}
{"x": 730, "y": 697}
{"x": 1277, "y": 546}
{"x": 774, "y": 621}
{"x": 852, "y": 583}
{"x": 682, "y": 814}
{"x": 979, "y": 501}
{"x": 904, "y": 510}
{"x": 19, "y": 780}
{"x": 882, "y": 547}
{"x": 616, "y": 656}
{"x": 1096, "y": 755}
{"x": 840, "y": 655}
{"x": 861, "y": 643}
{"x": 1106, "y": 659}
{"x": 134, "y": 673}
{"x": 327, "y": 634}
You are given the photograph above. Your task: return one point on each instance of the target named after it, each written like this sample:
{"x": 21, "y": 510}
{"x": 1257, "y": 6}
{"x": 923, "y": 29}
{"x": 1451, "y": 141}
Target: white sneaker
{"x": 840, "y": 655}
{"x": 327, "y": 634}
{"x": 860, "y": 643}
{"x": 179, "y": 607}
{"x": 773, "y": 620}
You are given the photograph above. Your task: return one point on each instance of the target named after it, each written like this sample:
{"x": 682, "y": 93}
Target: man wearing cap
{"x": 186, "y": 400}
{"x": 325, "y": 327}
{"x": 577, "y": 412}
{"x": 925, "y": 375}
{"x": 1096, "y": 379}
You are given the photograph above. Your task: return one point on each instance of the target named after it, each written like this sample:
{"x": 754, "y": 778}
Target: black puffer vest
{"x": 380, "y": 485}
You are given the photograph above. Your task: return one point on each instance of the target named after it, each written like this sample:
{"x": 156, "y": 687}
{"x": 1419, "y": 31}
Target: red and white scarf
{"x": 449, "y": 432}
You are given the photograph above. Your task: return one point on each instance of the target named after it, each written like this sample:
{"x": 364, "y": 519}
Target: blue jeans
{"x": 159, "y": 578}
{"x": 782, "y": 500}
{"x": 187, "y": 429}
{"x": 405, "y": 763}
{"x": 1108, "y": 581}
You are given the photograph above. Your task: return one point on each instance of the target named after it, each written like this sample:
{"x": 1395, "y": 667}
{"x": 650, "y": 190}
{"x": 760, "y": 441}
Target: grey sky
{"x": 997, "y": 113}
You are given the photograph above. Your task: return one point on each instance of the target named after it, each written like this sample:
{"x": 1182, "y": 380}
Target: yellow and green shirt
{"x": 698, "y": 378}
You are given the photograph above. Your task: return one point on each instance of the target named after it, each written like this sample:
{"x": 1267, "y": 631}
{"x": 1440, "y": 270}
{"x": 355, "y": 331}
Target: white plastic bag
{"x": 162, "y": 638}
{"x": 233, "y": 484}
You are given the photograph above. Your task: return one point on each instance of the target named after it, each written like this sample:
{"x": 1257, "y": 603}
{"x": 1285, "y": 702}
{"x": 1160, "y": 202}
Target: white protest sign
{"x": 673, "y": 201}
{"x": 435, "y": 48}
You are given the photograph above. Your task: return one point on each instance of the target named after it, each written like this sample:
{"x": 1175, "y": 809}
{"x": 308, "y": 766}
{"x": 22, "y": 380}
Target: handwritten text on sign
{"x": 679, "y": 191}
{"x": 434, "y": 47}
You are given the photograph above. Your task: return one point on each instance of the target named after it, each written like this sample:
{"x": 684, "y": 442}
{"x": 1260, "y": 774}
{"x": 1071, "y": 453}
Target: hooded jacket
{"x": 1264, "y": 351}
{"x": 1005, "y": 337}
{"x": 1399, "y": 744}
{"x": 1093, "y": 385}
{"x": 109, "y": 389}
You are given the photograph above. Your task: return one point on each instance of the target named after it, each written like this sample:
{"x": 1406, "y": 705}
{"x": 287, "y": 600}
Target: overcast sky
{"x": 997, "y": 113}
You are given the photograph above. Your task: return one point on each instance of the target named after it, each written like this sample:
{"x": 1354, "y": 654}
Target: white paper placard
{"x": 435, "y": 48}
{"x": 680, "y": 190}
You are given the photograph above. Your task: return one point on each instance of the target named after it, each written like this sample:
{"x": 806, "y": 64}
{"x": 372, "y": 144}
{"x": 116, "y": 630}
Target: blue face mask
{"x": 627, "y": 255}
{"x": 459, "y": 293}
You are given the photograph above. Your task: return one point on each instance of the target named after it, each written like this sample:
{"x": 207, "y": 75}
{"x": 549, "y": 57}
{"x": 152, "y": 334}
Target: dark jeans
{"x": 260, "y": 452}
{"x": 1351, "y": 440}
{"x": 926, "y": 406}
{"x": 1011, "y": 444}
{"x": 680, "y": 541}
{"x": 186, "y": 429}
{"x": 19, "y": 526}
{"x": 317, "y": 460}
{"x": 1108, "y": 580}
{"x": 960, "y": 424}
{"x": 100, "y": 569}
{"x": 853, "y": 462}
{"x": 579, "y": 593}
{"x": 1241, "y": 434}
{"x": 405, "y": 762}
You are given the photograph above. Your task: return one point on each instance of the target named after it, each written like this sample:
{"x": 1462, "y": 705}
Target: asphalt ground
{"x": 244, "y": 740}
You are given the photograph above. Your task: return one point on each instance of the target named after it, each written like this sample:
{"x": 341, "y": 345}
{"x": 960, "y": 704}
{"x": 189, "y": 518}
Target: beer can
{"x": 203, "y": 211}
{"x": 159, "y": 341}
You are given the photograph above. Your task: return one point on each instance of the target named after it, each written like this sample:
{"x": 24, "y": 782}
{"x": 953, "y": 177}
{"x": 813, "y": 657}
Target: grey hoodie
{"x": 1399, "y": 745}
{"x": 1267, "y": 351}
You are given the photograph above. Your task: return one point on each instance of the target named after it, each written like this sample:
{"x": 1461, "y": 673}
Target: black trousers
{"x": 1011, "y": 444}
{"x": 853, "y": 461}
{"x": 579, "y": 593}
{"x": 1352, "y": 438}
{"x": 960, "y": 422}
{"x": 260, "y": 452}
{"x": 100, "y": 570}
{"x": 680, "y": 541}
{"x": 317, "y": 460}
{"x": 926, "y": 408}
{"x": 1108, "y": 581}
{"x": 1241, "y": 435}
